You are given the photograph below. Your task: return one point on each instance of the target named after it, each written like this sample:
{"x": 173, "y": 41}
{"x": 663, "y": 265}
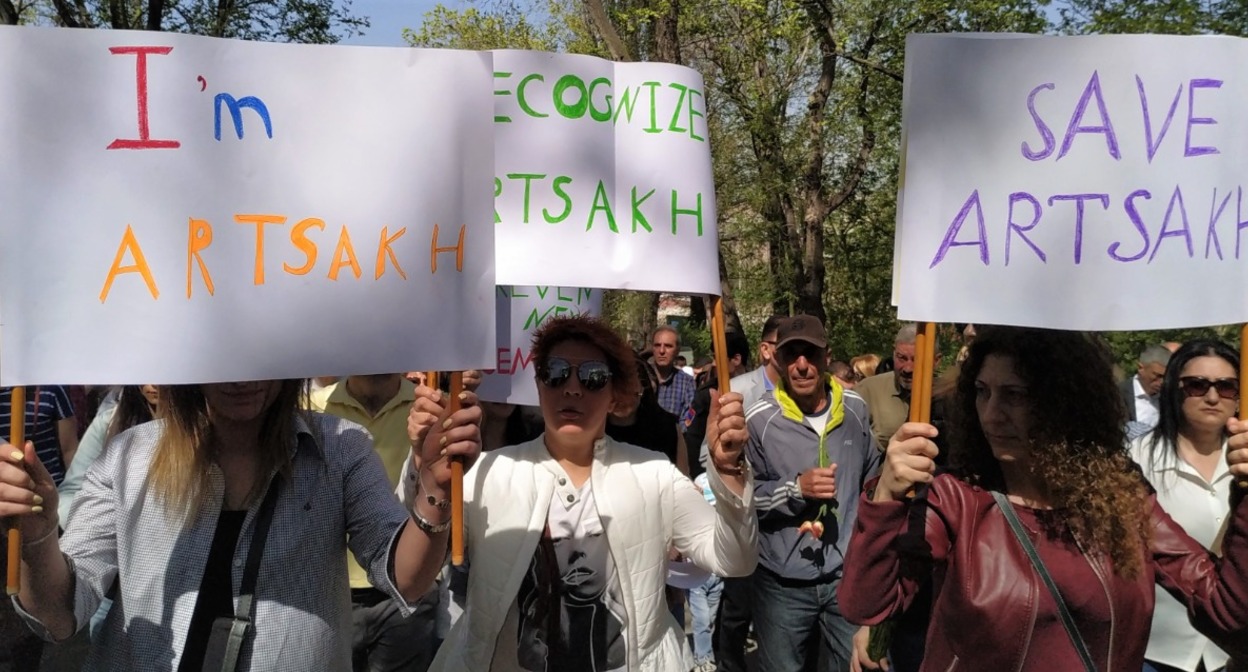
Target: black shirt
{"x": 216, "y": 590}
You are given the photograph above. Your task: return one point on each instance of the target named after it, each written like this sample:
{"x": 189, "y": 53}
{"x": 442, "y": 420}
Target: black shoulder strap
{"x": 1067, "y": 621}
{"x": 247, "y": 591}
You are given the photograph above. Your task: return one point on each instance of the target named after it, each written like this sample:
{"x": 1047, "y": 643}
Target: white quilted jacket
{"x": 646, "y": 506}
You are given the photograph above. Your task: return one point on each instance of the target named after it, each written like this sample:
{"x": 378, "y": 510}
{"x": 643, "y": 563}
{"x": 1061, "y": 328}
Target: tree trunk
{"x": 602, "y": 21}
{"x": 155, "y": 14}
{"x": 8, "y": 13}
{"x": 666, "y": 41}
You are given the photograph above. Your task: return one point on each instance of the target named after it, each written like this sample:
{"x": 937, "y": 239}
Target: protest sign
{"x": 1073, "y": 182}
{"x": 180, "y": 209}
{"x": 603, "y": 175}
{"x": 521, "y": 310}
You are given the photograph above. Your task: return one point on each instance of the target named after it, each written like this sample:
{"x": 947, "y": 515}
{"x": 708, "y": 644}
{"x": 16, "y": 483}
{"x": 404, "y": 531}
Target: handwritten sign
{"x": 603, "y": 175}
{"x": 521, "y": 310}
{"x": 179, "y": 209}
{"x": 1075, "y": 182}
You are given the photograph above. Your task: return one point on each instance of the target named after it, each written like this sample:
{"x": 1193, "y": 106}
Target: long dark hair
{"x": 1164, "y": 445}
{"x": 132, "y": 409}
{"x": 1078, "y": 451}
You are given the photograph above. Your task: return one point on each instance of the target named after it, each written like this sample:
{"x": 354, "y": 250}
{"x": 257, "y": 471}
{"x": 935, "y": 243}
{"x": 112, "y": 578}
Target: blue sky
{"x": 389, "y": 18}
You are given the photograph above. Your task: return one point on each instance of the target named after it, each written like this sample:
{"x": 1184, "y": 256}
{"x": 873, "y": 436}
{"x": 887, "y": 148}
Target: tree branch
{"x": 615, "y": 45}
{"x": 66, "y": 14}
{"x": 868, "y": 64}
{"x": 155, "y": 14}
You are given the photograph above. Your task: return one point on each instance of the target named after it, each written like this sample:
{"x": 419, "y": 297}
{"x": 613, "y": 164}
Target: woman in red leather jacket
{"x": 1038, "y": 418}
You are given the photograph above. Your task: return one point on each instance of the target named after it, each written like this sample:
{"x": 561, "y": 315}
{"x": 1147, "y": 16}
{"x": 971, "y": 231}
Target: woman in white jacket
{"x": 1184, "y": 459}
{"x": 567, "y": 535}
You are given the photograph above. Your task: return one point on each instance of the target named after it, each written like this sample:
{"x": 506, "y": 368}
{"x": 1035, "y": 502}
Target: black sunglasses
{"x": 593, "y": 375}
{"x": 1195, "y": 386}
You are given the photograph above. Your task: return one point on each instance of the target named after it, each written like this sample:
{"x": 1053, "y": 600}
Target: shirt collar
{"x": 836, "y": 399}
{"x": 306, "y": 438}
{"x": 339, "y": 395}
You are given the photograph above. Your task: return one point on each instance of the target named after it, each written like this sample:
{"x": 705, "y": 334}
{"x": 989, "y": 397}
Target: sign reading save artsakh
{"x": 1074, "y": 182}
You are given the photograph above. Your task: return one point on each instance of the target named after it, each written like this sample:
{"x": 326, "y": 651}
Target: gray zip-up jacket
{"x": 782, "y": 445}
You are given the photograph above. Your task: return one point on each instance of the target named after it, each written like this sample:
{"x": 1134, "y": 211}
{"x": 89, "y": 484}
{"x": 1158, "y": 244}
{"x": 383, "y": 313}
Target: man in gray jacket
{"x": 811, "y": 449}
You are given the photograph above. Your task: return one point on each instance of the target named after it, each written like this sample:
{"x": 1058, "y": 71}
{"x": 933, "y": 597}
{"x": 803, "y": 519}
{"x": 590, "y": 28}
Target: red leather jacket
{"x": 991, "y": 610}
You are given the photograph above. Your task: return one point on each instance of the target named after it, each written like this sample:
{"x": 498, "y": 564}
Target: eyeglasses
{"x": 593, "y": 375}
{"x": 1195, "y": 386}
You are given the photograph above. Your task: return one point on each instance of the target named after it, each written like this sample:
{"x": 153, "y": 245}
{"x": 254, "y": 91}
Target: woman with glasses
{"x": 1184, "y": 459}
{"x": 1043, "y": 541}
{"x": 568, "y": 534}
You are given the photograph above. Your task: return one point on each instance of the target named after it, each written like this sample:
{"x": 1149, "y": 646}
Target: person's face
{"x": 417, "y": 378}
{"x": 847, "y": 381}
{"x": 152, "y": 394}
{"x": 903, "y": 364}
{"x": 767, "y": 348}
{"x": 572, "y": 410}
{"x": 1151, "y": 376}
{"x": 1003, "y": 404}
{"x": 803, "y": 366}
{"x": 240, "y": 402}
{"x": 664, "y": 348}
{"x": 1208, "y": 411}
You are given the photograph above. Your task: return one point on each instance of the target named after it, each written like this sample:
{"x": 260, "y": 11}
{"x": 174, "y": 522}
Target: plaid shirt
{"x": 676, "y": 393}
{"x": 120, "y": 530}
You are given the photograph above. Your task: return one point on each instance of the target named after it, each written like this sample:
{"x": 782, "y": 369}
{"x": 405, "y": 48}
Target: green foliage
{"x": 507, "y": 24}
{"x": 302, "y": 21}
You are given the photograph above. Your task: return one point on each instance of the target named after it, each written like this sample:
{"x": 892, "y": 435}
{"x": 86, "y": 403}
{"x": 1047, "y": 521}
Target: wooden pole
{"x": 719, "y": 341}
{"x": 17, "y": 437}
{"x": 1243, "y": 376}
{"x": 457, "y": 483}
{"x": 928, "y": 374}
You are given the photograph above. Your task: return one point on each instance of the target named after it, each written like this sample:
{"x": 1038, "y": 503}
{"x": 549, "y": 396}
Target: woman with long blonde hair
{"x": 167, "y": 518}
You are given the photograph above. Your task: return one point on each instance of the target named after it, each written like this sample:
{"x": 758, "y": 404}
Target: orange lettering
{"x": 299, "y": 238}
{"x": 260, "y": 221}
{"x": 198, "y": 240}
{"x": 131, "y": 244}
{"x": 384, "y": 250}
{"x": 344, "y": 246}
{"x": 457, "y": 248}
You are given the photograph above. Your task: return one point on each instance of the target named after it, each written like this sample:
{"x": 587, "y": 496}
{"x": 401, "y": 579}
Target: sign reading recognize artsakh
{"x": 1074, "y": 182}
{"x": 180, "y": 209}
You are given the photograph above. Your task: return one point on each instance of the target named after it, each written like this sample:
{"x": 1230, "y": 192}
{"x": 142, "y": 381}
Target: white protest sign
{"x": 603, "y": 175}
{"x": 521, "y": 310}
{"x": 179, "y": 209}
{"x": 1074, "y": 182}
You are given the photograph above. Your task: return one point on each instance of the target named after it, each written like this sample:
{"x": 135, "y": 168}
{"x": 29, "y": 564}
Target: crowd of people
{"x": 1048, "y": 517}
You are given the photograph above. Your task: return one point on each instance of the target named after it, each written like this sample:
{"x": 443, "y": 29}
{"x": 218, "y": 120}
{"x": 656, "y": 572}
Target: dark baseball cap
{"x": 801, "y": 328}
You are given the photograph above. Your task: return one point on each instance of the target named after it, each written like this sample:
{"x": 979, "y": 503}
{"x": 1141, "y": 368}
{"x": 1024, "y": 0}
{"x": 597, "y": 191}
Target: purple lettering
{"x": 1185, "y": 232}
{"x": 1045, "y": 134}
{"x": 1214, "y": 216}
{"x": 1079, "y": 200}
{"x": 1090, "y": 92}
{"x": 1240, "y": 223}
{"x": 1138, "y": 222}
{"x": 1012, "y": 227}
{"x": 1192, "y": 120}
{"x": 956, "y": 226}
{"x": 1148, "y": 121}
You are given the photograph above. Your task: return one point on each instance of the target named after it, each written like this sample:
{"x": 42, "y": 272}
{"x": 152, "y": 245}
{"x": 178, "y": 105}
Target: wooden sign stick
{"x": 17, "y": 437}
{"x": 719, "y": 341}
{"x": 457, "y": 482}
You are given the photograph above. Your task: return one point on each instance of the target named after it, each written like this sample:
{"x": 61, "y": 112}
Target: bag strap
{"x": 247, "y": 591}
{"x": 1068, "y": 622}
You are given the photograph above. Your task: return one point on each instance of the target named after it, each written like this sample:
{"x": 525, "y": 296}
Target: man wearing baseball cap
{"x": 811, "y": 449}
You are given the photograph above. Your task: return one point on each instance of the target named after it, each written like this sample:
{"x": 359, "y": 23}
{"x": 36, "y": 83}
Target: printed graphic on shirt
{"x": 570, "y": 616}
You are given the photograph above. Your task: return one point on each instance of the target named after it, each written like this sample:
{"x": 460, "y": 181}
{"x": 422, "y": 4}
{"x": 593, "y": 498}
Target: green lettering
{"x": 654, "y": 108}
{"x": 697, "y": 212}
{"x": 528, "y": 183}
{"x": 602, "y": 203}
{"x": 577, "y": 110}
{"x": 694, "y": 113}
{"x": 559, "y": 295}
{"x": 583, "y": 295}
{"x": 524, "y": 105}
{"x": 504, "y": 292}
{"x": 535, "y": 319}
{"x": 541, "y": 291}
{"x": 498, "y": 191}
{"x": 557, "y": 187}
{"x": 628, "y": 102}
{"x": 517, "y": 295}
{"x": 638, "y": 216}
{"x": 680, "y": 104}
{"x": 499, "y": 119}
{"x": 595, "y": 113}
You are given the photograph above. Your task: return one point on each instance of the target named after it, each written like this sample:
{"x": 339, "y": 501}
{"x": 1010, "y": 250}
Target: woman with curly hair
{"x": 1184, "y": 458}
{"x": 1037, "y": 435}
{"x": 568, "y": 534}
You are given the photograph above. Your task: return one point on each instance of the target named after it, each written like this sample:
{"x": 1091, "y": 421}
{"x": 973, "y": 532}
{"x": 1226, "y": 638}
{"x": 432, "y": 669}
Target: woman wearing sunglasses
{"x": 568, "y": 534}
{"x": 1184, "y": 459}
